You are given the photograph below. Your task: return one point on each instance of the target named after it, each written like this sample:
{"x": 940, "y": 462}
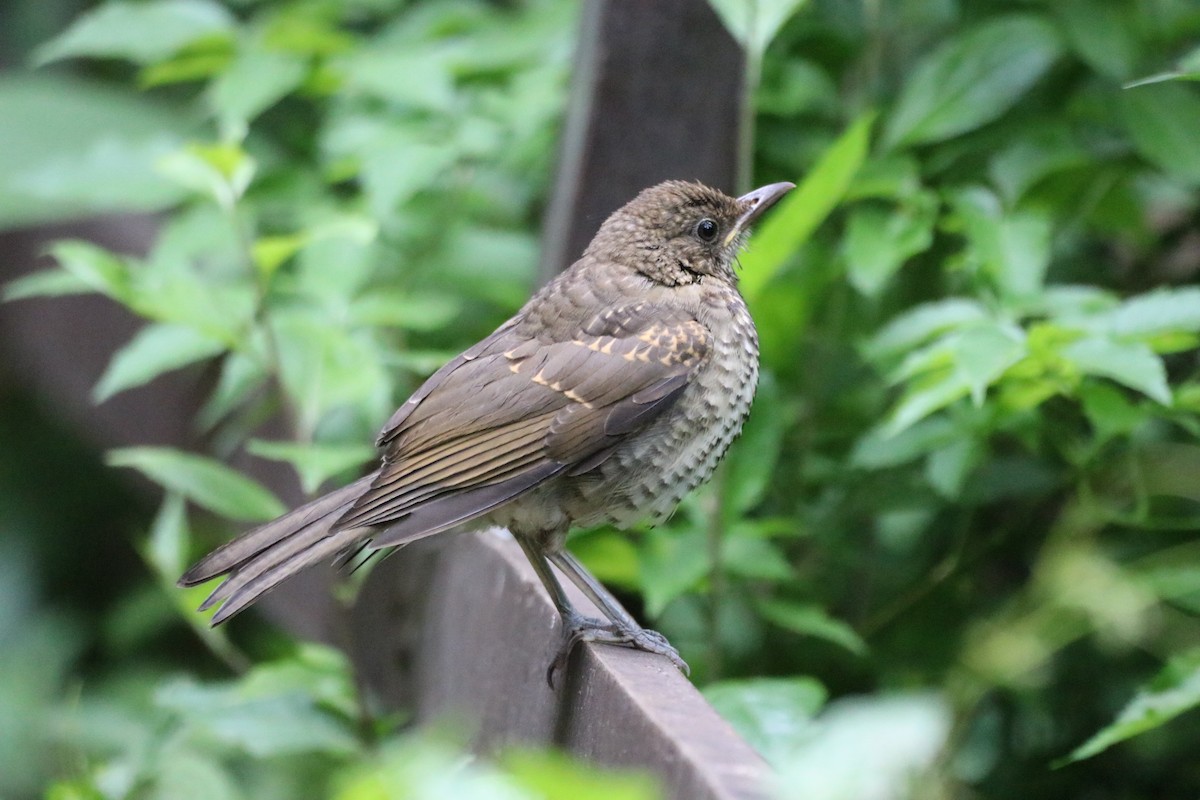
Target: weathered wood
{"x": 484, "y": 634}
{"x": 656, "y": 95}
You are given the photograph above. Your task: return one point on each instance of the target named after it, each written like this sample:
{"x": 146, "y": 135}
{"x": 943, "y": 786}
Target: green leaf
{"x": 98, "y": 269}
{"x": 141, "y": 32}
{"x": 1162, "y": 121}
{"x": 155, "y": 349}
{"x": 1044, "y": 150}
{"x": 167, "y": 546}
{"x": 1132, "y": 364}
{"x": 82, "y": 148}
{"x": 47, "y": 283}
{"x": 314, "y": 463}
{"x": 609, "y": 555}
{"x": 775, "y": 715}
{"x": 552, "y": 775}
{"x": 1153, "y": 315}
{"x": 672, "y": 563}
{"x": 415, "y": 311}
{"x": 809, "y": 619}
{"x": 202, "y": 480}
{"x": 971, "y": 80}
{"x": 749, "y": 556}
{"x": 219, "y": 171}
{"x": 1172, "y": 692}
{"x": 790, "y": 223}
{"x": 1109, "y": 410}
{"x": 920, "y": 324}
{"x": 877, "y": 450}
{"x": 754, "y": 23}
{"x": 255, "y": 81}
{"x": 282, "y": 722}
{"x": 1012, "y": 249}
{"x": 878, "y": 241}
{"x": 1104, "y": 34}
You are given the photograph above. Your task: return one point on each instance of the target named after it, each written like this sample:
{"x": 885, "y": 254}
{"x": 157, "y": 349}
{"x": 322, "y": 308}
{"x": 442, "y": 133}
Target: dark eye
{"x": 706, "y": 229}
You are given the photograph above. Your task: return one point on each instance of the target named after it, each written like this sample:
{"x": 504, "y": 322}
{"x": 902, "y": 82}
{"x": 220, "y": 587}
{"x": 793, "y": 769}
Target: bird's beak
{"x": 758, "y": 202}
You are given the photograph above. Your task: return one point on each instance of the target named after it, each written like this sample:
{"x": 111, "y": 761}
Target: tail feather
{"x": 245, "y": 586}
{"x": 245, "y": 548}
{"x": 260, "y": 559}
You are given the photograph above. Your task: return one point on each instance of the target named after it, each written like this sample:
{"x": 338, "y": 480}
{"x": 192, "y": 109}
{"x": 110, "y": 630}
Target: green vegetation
{"x": 955, "y": 550}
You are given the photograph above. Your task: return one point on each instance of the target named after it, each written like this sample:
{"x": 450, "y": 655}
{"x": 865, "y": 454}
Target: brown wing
{"x": 515, "y": 411}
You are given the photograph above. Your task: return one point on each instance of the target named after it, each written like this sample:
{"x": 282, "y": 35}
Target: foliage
{"x": 964, "y": 505}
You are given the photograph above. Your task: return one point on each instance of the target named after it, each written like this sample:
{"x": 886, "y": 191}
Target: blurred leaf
{"x": 252, "y": 83}
{"x": 415, "y": 311}
{"x": 1042, "y": 151}
{"x": 775, "y": 715}
{"x": 879, "y": 241}
{"x": 261, "y": 725}
{"x": 167, "y": 546}
{"x": 1134, "y": 365}
{"x": 1172, "y": 692}
{"x": 221, "y": 171}
{"x": 907, "y": 734}
{"x": 46, "y": 283}
{"x": 809, "y": 619}
{"x": 551, "y": 775}
{"x": 921, "y": 323}
{"x": 186, "y": 774}
{"x": 876, "y": 450}
{"x": 971, "y": 80}
{"x": 1162, "y": 121}
{"x": 1152, "y": 315}
{"x": 315, "y": 463}
{"x": 204, "y": 481}
{"x": 754, "y": 23}
{"x": 793, "y": 220}
{"x": 101, "y": 271}
{"x": 141, "y": 32}
{"x": 319, "y": 672}
{"x": 1109, "y": 410}
{"x": 1188, "y": 70}
{"x": 948, "y": 468}
{"x": 959, "y": 364}
{"x": 154, "y": 350}
{"x": 609, "y": 555}
{"x": 672, "y": 563}
{"x": 1104, "y": 34}
{"x": 749, "y": 556}
{"x": 1011, "y": 248}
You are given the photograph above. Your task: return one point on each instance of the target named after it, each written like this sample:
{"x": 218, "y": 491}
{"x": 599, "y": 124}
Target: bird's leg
{"x": 624, "y": 625}
{"x": 576, "y": 627}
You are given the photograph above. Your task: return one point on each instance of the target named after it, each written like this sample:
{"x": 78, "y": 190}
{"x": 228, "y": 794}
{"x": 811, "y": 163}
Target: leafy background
{"x": 954, "y": 553}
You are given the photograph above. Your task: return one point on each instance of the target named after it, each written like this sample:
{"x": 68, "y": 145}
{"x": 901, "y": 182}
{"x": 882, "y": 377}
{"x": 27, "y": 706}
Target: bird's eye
{"x": 706, "y": 229}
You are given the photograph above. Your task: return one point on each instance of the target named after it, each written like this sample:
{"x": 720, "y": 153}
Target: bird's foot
{"x": 578, "y": 628}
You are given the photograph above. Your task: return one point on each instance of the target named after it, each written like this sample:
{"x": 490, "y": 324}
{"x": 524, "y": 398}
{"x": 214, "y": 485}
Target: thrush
{"x": 609, "y": 396}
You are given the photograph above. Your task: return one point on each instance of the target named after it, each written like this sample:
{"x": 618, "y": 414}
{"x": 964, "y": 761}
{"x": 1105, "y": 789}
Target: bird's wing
{"x": 516, "y": 411}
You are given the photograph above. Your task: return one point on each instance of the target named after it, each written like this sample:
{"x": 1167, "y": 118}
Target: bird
{"x": 610, "y": 395}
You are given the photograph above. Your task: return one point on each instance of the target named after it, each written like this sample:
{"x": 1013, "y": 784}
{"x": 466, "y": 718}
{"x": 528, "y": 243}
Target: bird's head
{"x": 678, "y": 232}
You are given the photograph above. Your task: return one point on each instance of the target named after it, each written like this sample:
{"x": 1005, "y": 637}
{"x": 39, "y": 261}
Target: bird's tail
{"x": 262, "y": 558}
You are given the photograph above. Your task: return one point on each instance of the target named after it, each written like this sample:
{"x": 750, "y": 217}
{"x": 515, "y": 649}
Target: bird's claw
{"x": 578, "y": 628}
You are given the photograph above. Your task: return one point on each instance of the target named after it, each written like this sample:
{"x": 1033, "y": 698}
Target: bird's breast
{"x": 649, "y": 474}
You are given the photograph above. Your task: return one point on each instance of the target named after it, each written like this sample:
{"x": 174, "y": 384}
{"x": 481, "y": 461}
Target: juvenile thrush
{"x": 608, "y": 397}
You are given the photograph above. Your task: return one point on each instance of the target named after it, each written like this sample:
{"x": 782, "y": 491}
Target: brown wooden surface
{"x": 469, "y": 631}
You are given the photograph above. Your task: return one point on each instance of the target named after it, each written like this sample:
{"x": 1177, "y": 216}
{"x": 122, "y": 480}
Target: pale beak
{"x": 758, "y": 201}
